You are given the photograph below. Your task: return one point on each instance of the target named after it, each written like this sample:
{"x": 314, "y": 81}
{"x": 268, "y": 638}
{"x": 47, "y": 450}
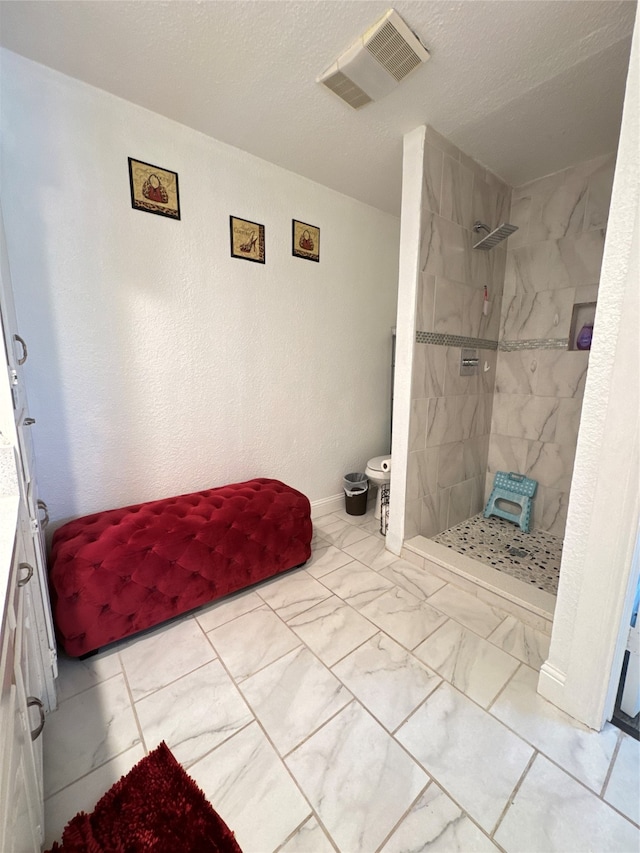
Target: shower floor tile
{"x": 530, "y": 557}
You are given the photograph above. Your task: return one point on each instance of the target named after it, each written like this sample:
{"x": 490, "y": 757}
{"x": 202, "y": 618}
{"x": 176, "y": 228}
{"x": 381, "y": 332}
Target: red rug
{"x": 156, "y": 807}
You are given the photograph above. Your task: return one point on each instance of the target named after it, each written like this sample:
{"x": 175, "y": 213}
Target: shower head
{"x": 493, "y": 237}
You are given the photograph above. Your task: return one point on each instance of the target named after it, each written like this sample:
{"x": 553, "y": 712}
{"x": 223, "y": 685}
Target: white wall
{"x": 409, "y": 271}
{"x": 158, "y": 364}
{"x": 591, "y": 620}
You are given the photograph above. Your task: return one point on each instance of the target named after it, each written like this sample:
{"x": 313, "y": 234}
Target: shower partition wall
{"x": 450, "y": 416}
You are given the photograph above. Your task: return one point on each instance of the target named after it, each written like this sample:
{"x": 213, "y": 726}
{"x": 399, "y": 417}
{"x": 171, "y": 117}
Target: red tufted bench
{"x": 118, "y": 572}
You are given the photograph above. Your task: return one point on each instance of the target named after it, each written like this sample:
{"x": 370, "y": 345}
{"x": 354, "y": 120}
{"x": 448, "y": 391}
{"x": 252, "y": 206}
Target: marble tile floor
{"x": 351, "y": 706}
{"x": 532, "y": 557}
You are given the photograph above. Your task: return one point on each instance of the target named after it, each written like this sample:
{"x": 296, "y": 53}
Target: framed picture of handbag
{"x": 247, "y": 240}
{"x": 153, "y": 189}
{"x": 305, "y": 240}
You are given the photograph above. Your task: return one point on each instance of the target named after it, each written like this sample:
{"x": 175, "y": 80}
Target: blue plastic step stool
{"x": 517, "y": 489}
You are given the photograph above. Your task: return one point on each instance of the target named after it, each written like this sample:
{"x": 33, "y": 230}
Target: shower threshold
{"x": 495, "y": 560}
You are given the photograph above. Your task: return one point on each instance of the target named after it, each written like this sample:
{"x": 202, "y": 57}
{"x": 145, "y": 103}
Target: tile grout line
{"x": 85, "y": 689}
{"x": 611, "y": 763}
{"x": 93, "y": 769}
{"x": 292, "y": 835}
{"x": 174, "y": 680}
{"x": 132, "y": 703}
{"x": 513, "y": 794}
{"x": 405, "y": 815}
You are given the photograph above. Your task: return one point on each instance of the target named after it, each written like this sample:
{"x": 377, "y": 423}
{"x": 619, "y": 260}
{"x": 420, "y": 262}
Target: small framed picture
{"x": 247, "y": 240}
{"x": 153, "y": 189}
{"x": 305, "y": 240}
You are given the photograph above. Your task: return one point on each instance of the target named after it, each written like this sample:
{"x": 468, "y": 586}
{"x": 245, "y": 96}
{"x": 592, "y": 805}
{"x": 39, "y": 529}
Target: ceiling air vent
{"x": 376, "y": 63}
{"x": 347, "y": 90}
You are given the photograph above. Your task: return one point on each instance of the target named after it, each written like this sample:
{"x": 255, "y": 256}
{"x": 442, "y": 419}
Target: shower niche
{"x": 581, "y": 328}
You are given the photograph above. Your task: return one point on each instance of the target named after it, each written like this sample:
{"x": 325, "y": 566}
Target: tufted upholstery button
{"x": 118, "y": 572}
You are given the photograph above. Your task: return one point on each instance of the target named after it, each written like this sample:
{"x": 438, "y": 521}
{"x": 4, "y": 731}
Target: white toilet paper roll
{"x": 386, "y": 465}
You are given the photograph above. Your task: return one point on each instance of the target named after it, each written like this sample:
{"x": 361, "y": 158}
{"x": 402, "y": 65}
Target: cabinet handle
{"x": 29, "y": 569}
{"x": 25, "y": 352}
{"x": 29, "y": 421}
{"x": 31, "y": 702}
{"x": 42, "y": 506}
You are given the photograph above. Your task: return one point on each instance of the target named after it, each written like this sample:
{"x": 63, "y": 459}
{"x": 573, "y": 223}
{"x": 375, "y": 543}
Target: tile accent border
{"x": 540, "y": 343}
{"x": 483, "y": 343}
{"x": 454, "y": 340}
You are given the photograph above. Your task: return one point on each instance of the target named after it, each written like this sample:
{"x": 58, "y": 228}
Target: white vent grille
{"x": 376, "y": 63}
{"x": 347, "y": 90}
{"x": 393, "y": 52}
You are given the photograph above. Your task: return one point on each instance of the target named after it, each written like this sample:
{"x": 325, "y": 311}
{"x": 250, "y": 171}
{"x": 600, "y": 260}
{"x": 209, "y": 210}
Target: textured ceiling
{"x": 526, "y": 87}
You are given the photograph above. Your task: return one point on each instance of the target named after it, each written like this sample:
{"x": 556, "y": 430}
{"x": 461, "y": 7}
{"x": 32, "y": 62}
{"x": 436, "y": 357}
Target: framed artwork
{"x": 305, "y": 240}
{"x": 247, "y": 240}
{"x": 153, "y": 189}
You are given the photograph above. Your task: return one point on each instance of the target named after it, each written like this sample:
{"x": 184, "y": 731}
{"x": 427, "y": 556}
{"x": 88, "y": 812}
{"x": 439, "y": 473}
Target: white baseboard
{"x": 551, "y": 683}
{"x": 327, "y": 505}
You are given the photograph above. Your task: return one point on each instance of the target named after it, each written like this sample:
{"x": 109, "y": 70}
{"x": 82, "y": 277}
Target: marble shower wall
{"x": 553, "y": 263}
{"x": 451, "y": 414}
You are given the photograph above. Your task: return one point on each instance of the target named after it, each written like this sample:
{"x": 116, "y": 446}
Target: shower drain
{"x": 517, "y": 552}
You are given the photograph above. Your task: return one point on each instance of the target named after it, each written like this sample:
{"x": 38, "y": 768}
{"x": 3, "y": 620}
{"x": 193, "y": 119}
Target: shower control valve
{"x": 468, "y": 361}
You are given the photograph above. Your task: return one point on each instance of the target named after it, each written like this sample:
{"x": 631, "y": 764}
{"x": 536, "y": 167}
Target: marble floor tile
{"x": 332, "y": 629}
{"x": 250, "y": 678}
{"x": 341, "y": 533}
{"x": 372, "y": 552}
{"x": 408, "y": 619}
{"x": 247, "y": 784}
{"x": 623, "y": 787}
{"x": 477, "y": 668}
{"x": 86, "y": 731}
{"x": 292, "y": 593}
{"x": 252, "y": 641}
{"x": 293, "y": 697}
{"x": 83, "y": 794}
{"x": 467, "y": 609}
{"x": 228, "y": 608}
{"x": 309, "y": 838}
{"x": 372, "y": 526}
{"x": 181, "y": 647}
{"x": 476, "y": 759}
{"x": 413, "y": 579}
{"x": 553, "y": 813}
{"x": 75, "y": 675}
{"x": 522, "y": 641}
{"x": 325, "y": 560}
{"x": 193, "y": 714}
{"x": 357, "y": 778}
{"x": 436, "y": 823}
{"x": 322, "y": 522}
{"x": 359, "y": 520}
{"x": 356, "y": 583}
{"x": 386, "y": 679}
{"x": 580, "y": 751}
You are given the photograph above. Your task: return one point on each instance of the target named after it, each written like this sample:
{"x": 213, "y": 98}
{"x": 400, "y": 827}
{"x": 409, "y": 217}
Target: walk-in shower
{"x": 512, "y": 302}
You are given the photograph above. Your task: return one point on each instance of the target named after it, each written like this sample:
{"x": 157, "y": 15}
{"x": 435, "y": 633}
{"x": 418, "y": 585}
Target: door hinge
{"x": 13, "y": 376}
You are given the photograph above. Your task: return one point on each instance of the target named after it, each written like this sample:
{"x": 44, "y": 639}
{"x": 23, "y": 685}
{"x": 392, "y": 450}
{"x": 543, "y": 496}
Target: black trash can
{"x": 356, "y": 490}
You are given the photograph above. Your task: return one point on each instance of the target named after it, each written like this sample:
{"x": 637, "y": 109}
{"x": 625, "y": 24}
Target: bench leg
{"x": 89, "y": 654}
